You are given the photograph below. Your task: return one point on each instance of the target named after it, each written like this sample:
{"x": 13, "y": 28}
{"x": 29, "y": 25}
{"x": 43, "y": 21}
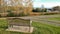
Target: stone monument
{"x": 19, "y": 25}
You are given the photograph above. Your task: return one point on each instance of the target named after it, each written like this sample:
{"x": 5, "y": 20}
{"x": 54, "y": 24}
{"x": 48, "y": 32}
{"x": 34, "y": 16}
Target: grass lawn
{"x": 55, "y": 18}
{"x": 39, "y": 28}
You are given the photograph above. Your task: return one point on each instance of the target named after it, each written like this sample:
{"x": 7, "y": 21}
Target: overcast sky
{"x": 46, "y": 3}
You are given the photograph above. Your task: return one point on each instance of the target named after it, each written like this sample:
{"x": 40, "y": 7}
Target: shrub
{"x": 0, "y": 16}
{"x": 22, "y": 14}
{"x": 10, "y": 14}
{"x": 9, "y": 10}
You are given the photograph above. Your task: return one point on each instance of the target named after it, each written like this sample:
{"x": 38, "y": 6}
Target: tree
{"x": 56, "y": 8}
{"x": 45, "y": 10}
{"x": 40, "y": 10}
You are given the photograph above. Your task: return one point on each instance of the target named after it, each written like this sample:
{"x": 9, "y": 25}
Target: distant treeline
{"x": 39, "y": 10}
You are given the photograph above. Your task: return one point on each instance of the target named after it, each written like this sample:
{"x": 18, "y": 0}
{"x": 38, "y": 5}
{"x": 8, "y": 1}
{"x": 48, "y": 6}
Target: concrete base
{"x": 23, "y": 29}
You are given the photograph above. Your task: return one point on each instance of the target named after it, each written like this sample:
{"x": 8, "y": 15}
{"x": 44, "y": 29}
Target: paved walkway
{"x": 43, "y": 19}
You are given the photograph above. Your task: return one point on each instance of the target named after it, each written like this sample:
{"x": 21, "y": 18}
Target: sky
{"x": 46, "y": 3}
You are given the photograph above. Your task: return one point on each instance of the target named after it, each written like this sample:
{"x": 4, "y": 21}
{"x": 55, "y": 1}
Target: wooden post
{"x": 30, "y": 25}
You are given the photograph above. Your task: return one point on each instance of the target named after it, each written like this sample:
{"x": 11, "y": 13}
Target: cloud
{"x": 46, "y": 0}
{"x": 47, "y": 4}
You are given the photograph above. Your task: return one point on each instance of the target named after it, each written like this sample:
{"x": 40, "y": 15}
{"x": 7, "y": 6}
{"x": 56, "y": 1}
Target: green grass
{"x": 39, "y": 28}
{"x": 45, "y": 29}
{"x": 55, "y": 18}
